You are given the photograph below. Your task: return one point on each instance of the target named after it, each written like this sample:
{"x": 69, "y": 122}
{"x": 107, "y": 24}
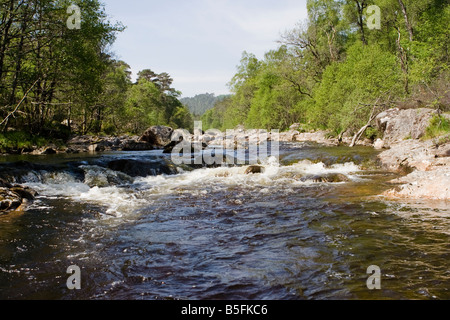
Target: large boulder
{"x": 408, "y": 155}
{"x": 159, "y": 136}
{"x": 134, "y": 145}
{"x": 9, "y": 200}
{"x": 398, "y": 125}
{"x": 14, "y": 197}
{"x": 379, "y": 144}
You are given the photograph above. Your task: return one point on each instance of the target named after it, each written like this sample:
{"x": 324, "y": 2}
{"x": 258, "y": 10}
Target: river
{"x": 217, "y": 233}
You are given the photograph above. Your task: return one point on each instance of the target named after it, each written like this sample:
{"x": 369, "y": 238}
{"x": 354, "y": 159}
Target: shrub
{"x": 19, "y": 140}
{"x": 439, "y": 126}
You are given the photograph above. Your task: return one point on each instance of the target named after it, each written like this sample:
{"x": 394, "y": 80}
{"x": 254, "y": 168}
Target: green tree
{"x": 349, "y": 90}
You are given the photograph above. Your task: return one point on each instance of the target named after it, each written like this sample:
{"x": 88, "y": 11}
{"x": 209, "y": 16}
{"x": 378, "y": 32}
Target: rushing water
{"x": 216, "y": 233}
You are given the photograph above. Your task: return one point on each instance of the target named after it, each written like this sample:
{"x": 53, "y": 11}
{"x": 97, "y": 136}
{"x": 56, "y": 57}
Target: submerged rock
{"x": 95, "y": 176}
{"x": 326, "y": 178}
{"x": 136, "y": 168}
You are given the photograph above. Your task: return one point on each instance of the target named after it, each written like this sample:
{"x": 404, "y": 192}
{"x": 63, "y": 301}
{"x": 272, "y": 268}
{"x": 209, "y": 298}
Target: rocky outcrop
{"x": 80, "y": 144}
{"x": 433, "y": 184}
{"x": 240, "y": 138}
{"x": 14, "y": 197}
{"x": 398, "y": 125}
{"x": 427, "y": 169}
{"x": 321, "y": 137}
{"x": 234, "y": 139}
{"x": 405, "y": 156}
{"x": 424, "y": 164}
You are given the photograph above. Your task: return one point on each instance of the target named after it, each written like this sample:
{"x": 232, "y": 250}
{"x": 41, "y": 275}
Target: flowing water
{"x": 164, "y": 232}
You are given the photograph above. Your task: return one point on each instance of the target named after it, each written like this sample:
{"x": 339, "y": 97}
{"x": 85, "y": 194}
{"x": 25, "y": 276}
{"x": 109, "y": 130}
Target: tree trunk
{"x": 361, "y": 6}
{"x": 403, "y": 61}
{"x": 330, "y": 43}
{"x": 5, "y": 37}
{"x": 408, "y": 24}
{"x": 359, "y": 135}
{"x": 361, "y": 131}
{"x": 12, "y": 97}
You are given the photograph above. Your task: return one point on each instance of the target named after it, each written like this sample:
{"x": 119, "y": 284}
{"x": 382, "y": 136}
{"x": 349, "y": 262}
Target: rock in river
{"x": 159, "y": 136}
{"x": 326, "y": 178}
{"x": 138, "y": 168}
{"x": 13, "y": 197}
{"x": 254, "y": 169}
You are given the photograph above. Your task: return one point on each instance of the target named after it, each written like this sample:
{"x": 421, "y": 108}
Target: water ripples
{"x": 216, "y": 233}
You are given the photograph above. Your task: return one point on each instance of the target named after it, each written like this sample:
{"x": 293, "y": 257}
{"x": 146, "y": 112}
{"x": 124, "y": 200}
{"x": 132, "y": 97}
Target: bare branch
{"x": 18, "y": 105}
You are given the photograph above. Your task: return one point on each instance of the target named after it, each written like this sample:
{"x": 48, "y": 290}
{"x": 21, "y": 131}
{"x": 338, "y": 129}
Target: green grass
{"x": 18, "y": 140}
{"x": 439, "y": 126}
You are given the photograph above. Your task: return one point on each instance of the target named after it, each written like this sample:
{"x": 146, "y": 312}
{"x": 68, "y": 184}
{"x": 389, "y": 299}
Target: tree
{"x": 143, "y": 106}
{"x": 349, "y": 89}
{"x": 36, "y": 46}
{"x": 354, "y": 11}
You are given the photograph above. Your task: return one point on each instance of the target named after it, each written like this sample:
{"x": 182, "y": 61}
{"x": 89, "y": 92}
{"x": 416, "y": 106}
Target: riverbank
{"x": 316, "y": 211}
{"x": 427, "y": 168}
{"x": 424, "y": 164}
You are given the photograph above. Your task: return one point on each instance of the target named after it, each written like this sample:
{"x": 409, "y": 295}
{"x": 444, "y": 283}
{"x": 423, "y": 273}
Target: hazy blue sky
{"x": 199, "y": 42}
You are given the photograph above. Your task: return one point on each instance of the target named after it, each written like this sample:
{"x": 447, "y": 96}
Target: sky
{"x": 199, "y": 42}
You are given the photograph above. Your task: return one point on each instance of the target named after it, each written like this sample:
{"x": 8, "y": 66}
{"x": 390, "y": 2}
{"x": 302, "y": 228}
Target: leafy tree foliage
{"x": 55, "y": 80}
{"x": 333, "y": 72}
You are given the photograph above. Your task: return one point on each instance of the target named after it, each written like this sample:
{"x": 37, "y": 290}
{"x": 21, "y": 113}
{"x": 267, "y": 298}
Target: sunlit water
{"x": 216, "y": 233}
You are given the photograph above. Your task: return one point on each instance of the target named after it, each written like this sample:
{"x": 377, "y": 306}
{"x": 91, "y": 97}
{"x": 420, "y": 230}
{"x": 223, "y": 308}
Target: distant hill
{"x": 201, "y": 103}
